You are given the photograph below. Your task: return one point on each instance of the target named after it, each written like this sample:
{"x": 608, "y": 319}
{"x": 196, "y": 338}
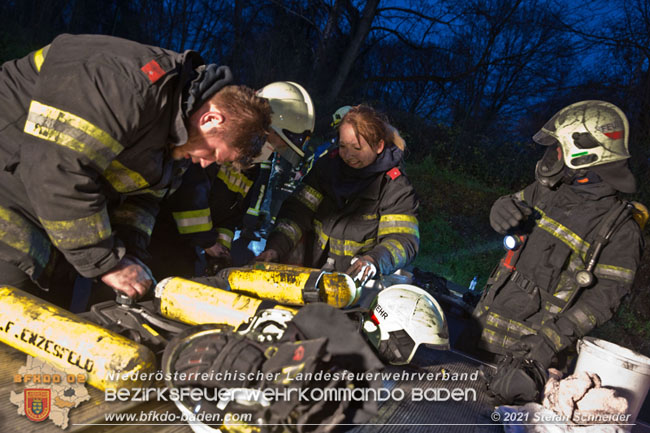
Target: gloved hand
{"x": 268, "y": 256}
{"x": 536, "y": 348}
{"x": 506, "y": 214}
{"x": 362, "y": 269}
{"x": 516, "y": 381}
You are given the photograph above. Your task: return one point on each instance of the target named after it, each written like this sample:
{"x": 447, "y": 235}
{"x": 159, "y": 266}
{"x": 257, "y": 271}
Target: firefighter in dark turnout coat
{"x": 355, "y": 209}
{"x": 94, "y": 131}
{"x": 544, "y": 296}
{"x": 205, "y": 218}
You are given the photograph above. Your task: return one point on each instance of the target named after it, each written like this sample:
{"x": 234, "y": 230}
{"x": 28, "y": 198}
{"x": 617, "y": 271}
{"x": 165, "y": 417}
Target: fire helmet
{"x": 338, "y": 115}
{"x": 401, "y": 318}
{"x": 292, "y": 119}
{"x": 589, "y": 133}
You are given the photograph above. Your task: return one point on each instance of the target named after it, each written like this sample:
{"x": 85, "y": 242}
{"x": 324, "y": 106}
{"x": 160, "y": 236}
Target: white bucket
{"x": 624, "y": 370}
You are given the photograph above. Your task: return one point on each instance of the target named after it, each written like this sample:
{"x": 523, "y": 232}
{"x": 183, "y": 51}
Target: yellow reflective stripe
{"x": 510, "y": 326}
{"x": 289, "y": 229}
{"x": 72, "y": 132}
{"x": 615, "y": 273}
{"x": 158, "y": 193}
{"x": 342, "y": 247}
{"x": 520, "y": 195}
{"x": 224, "y": 237}
{"x": 369, "y": 217}
{"x": 123, "y": 179}
{"x": 398, "y": 223}
{"x": 396, "y": 250}
{"x": 575, "y": 242}
{"x": 79, "y": 232}
{"x": 39, "y": 57}
{"x": 21, "y": 235}
{"x": 554, "y": 337}
{"x": 253, "y": 211}
{"x": 583, "y": 320}
{"x": 234, "y": 179}
{"x": 322, "y": 237}
{"x": 134, "y": 216}
{"x": 310, "y": 197}
{"x": 193, "y": 221}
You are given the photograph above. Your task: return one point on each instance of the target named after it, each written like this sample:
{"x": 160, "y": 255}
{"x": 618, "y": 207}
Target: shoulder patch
{"x": 153, "y": 71}
{"x": 394, "y": 173}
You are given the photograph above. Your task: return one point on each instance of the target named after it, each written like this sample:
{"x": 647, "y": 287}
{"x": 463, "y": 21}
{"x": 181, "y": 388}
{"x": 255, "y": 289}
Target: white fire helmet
{"x": 401, "y": 318}
{"x": 293, "y": 118}
{"x": 589, "y": 133}
{"x": 338, "y": 115}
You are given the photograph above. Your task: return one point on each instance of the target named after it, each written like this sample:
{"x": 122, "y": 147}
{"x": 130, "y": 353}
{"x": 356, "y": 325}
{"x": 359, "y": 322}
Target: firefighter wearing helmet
{"x": 203, "y": 225}
{"x": 576, "y": 247}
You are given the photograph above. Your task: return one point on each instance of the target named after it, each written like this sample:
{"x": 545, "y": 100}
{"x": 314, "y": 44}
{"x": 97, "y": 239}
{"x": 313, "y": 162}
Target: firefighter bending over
{"x": 575, "y": 247}
{"x": 355, "y": 211}
{"x": 94, "y": 131}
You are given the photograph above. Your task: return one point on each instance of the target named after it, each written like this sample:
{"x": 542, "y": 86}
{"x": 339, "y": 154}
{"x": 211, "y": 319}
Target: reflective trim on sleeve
{"x": 224, "y": 237}
{"x": 234, "y": 179}
{"x": 397, "y": 251}
{"x": 310, "y": 197}
{"x": 21, "y": 235}
{"x": 72, "y": 132}
{"x": 289, "y": 229}
{"x": 553, "y": 337}
{"x": 509, "y": 326}
{"x": 349, "y": 248}
{"x": 322, "y": 238}
{"x": 79, "y": 232}
{"x": 584, "y": 321}
{"x": 193, "y": 221}
{"x": 123, "y": 179}
{"x": 134, "y": 216}
{"x": 398, "y": 224}
{"x": 616, "y": 273}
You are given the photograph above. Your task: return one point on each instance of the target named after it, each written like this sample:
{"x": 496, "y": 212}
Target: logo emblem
{"x": 37, "y": 404}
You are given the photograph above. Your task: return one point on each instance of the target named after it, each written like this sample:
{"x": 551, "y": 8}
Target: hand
{"x": 130, "y": 277}
{"x": 362, "y": 269}
{"x": 217, "y": 258}
{"x": 536, "y": 348}
{"x": 268, "y": 256}
{"x": 506, "y": 214}
{"x": 218, "y": 251}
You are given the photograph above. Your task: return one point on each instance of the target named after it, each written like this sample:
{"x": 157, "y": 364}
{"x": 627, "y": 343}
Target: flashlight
{"x": 513, "y": 242}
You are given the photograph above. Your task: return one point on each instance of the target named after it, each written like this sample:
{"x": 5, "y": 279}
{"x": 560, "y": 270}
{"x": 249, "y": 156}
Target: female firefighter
{"x": 355, "y": 212}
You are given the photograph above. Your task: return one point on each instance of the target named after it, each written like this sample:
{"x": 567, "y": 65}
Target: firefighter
{"x": 575, "y": 248}
{"x": 205, "y": 218}
{"x": 95, "y": 131}
{"x": 355, "y": 211}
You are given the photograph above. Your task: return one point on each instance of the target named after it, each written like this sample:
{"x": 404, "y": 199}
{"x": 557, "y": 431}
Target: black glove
{"x": 506, "y": 214}
{"x": 516, "y": 381}
{"x": 536, "y": 348}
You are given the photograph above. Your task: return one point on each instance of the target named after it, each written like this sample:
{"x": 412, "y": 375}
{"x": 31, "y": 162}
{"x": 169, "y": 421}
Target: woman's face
{"x": 355, "y": 153}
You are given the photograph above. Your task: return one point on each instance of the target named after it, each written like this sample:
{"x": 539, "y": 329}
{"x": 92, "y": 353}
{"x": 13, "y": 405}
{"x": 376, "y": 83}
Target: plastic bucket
{"x": 624, "y": 370}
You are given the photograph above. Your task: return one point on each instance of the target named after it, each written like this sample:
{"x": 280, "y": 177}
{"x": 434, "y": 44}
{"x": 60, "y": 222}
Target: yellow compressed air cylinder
{"x": 285, "y": 284}
{"x": 67, "y": 341}
{"x": 195, "y": 303}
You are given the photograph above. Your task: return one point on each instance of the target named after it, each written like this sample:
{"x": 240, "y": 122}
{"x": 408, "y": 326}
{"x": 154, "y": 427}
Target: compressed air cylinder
{"x": 67, "y": 341}
{"x": 285, "y": 284}
{"x": 195, "y": 303}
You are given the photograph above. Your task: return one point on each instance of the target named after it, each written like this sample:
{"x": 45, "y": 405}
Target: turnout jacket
{"x": 86, "y": 129}
{"x": 536, "y": 293}
{"x": 380, "y": 221}
{"x": 213, "y": 201}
